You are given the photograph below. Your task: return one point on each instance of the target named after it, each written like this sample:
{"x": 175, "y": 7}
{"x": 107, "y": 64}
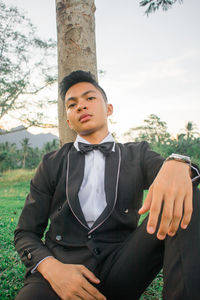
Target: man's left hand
{"x": 171, "y": 195}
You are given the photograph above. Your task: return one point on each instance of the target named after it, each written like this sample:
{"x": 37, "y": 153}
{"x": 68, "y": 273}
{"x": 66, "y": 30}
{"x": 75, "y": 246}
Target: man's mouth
{"x": 85, "y": 117}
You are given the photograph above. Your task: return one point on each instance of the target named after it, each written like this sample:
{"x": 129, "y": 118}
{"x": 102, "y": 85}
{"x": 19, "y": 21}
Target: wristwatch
{"x": 179, "y": 157}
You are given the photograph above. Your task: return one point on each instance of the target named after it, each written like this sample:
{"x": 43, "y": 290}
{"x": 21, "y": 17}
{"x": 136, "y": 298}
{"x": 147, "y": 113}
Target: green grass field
{"x": 14, "y": 186}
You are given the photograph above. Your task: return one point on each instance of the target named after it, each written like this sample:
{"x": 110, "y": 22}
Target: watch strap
{"x": 179, "y": 157}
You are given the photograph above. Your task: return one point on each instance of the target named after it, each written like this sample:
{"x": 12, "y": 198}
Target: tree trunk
{"x": 76, "y": 48}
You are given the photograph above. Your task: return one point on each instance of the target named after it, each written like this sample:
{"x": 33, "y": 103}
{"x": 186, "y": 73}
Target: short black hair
{"x": 76, "y": 77}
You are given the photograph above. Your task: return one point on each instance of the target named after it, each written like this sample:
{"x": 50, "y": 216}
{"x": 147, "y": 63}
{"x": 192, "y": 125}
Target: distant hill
{"x": 35, "y": 140}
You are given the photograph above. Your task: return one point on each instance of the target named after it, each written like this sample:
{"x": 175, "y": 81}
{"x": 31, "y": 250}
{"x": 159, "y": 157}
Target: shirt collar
{"x": 108, "y": 138}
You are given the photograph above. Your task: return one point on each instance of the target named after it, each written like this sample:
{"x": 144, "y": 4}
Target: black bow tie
{"x": 105, "y": 148}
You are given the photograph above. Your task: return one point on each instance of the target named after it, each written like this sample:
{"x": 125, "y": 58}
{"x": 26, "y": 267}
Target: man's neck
{"x": 94, "y": 138}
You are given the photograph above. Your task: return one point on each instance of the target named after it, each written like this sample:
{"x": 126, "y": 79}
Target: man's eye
{"x": 91, "y": 98}
{"x": 71, "y": 105}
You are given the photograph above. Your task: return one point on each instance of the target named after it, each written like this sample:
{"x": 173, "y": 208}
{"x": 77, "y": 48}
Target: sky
{"x": 152, "y": 64}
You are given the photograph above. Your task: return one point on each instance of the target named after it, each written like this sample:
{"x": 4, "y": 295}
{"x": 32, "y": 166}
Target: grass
{"x": 14, "y": 186}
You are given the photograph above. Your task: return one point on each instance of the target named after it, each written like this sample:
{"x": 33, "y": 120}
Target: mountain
{"x": 35, "y": 140}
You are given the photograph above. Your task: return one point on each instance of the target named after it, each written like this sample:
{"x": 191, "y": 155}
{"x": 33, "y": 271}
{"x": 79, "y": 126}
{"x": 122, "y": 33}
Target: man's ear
{"x": 69, "y": 124}
{"x": 109, "y": 109}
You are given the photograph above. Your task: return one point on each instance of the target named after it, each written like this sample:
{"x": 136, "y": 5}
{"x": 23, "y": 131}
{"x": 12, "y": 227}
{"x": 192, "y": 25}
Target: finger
{"x": 188, "y": 208}
{"x": 177, "y": 215}
{"x": 90, "y": 289}
{"x": 157, "y": 199}
{"x": 89, "y": 275}
{"x": 147, "y": 202}
{"x": 166, "y": 217}
{"x": 70, "y": 295}
{"x": 75, "y": 297}
{"x": 83, "y": 294}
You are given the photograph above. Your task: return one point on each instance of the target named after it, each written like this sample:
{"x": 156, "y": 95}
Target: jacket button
{"x": 97, "y": 251}
{"x": 29, "y": 256}
{"x": 89, "y": 237}
{"x": 59, "y": 208}
{"x": 58, "y": 238}
{"x": 126, "y": 211}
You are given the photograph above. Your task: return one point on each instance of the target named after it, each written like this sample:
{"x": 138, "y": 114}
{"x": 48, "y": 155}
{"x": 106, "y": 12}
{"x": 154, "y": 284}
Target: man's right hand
{"x": 70, "y": 281}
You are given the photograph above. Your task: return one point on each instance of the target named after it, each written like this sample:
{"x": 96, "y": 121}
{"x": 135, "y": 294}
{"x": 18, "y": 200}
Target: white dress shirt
{"x": 92, "y": 190}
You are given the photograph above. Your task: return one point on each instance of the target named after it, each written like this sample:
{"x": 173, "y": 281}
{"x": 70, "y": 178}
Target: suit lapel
{"x": 112, "y": 169}
{"x": 112, "y": 166}
{"x": 74, "y": 178}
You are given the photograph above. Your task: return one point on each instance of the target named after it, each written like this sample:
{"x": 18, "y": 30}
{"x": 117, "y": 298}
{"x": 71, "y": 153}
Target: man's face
{"x": 87, "y": 111}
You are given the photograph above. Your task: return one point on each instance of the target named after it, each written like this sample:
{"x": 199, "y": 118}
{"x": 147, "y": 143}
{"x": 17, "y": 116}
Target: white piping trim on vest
{"x": 116, "y": 188}
{"x": 68, "y": 195}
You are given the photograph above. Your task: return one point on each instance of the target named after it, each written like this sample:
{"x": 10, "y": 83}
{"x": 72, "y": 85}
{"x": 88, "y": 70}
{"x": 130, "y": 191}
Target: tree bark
{"x": 76, "y": 48}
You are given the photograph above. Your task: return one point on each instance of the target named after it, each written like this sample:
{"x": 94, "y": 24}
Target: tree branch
{"x": 154, "y": 5}
{"x": 13, "y": 131}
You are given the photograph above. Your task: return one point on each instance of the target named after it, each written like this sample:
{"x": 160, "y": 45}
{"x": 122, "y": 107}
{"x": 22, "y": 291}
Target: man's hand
{"x": 172, "y": 188}
{"x": 70, "y": 281}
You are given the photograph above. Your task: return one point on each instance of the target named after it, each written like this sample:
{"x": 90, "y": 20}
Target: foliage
{"x": 50, "y": 146}
{"x": 28, "y": 67}
{"x": 8, "y": 156}
{"x": 155, "y": 132}
{"x": 14, "y": 186}
{"x": 25, "y": 157}
{"x": 154, "y": 5}
{"x": 25, "y": 150}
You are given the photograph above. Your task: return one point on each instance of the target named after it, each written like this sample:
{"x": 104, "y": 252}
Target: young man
{"x": 91, "y": 190}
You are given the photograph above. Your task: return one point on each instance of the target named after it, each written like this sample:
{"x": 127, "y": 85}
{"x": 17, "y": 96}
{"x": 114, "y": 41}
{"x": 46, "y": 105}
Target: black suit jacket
{"x": 54, "y": 195}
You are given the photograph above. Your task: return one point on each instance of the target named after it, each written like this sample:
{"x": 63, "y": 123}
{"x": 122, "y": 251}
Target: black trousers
{"x": 139, "y": 259}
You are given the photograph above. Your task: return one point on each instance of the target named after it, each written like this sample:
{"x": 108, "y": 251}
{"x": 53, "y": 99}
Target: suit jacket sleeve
{"x": 34, "y": 217}
{"x": 151, "y": 162}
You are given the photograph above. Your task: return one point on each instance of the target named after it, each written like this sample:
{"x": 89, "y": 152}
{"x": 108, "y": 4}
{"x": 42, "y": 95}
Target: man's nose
{"x": 81, "y": 106}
